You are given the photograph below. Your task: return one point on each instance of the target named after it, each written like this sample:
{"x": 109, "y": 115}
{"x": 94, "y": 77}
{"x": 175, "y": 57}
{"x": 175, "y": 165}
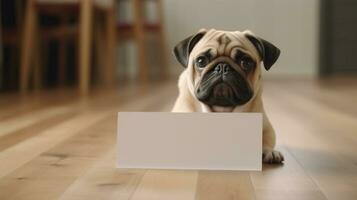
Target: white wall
{"x": 292, "y": 25}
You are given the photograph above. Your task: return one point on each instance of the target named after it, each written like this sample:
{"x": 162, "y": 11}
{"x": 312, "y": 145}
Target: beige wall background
{"x": 289, "y": 24}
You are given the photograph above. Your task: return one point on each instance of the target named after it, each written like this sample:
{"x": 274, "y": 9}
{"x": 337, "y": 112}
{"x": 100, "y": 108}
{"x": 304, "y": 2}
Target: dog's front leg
{"x": 270, "y": 155}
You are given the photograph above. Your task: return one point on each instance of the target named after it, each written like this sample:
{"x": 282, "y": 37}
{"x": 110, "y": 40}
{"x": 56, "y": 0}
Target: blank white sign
{"x": 212, "y": 141}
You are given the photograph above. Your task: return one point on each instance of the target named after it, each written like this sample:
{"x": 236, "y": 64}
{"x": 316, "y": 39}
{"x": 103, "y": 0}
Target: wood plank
{"x": 288, "y": 181}
{"x": 14, "y": 106}
{"x": 68, "y": 160}
{"x": 22, "y": 134}
{"x": 44, "y": 107}
{"x": 340, "y": 99}
{"x": 166, "y": 184}
{"x": 338, "y": 121}
{"x": 104, "y": 181}
{"x": 23, "y": 152}
{"x": 63, "y": 163}
{"x": 75, "y": 158}
{"x": 9, "y": 126}
{"x": 337, "y": 177}
{"x": 224, "y": 185}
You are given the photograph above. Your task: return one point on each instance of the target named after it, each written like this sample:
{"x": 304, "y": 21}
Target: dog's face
{"x": 224, "y": 67}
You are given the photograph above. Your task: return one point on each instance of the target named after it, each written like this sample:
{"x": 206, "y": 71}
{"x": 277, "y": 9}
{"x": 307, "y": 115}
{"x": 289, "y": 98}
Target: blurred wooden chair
{"x": 84, "y": 29}
{"x": 11, "y": 27}
{"x": 139, "y": 29}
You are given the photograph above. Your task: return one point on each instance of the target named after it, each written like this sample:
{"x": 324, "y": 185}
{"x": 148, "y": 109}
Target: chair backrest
{"x": 101, "y": 3}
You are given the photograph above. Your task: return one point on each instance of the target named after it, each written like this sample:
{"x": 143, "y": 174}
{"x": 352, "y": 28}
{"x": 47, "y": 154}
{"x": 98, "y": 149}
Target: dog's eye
{"x": 201, "y": 61}
{"x": 247, "y": 63}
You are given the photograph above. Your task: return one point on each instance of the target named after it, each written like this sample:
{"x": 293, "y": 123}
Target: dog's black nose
{"x": 223, "y": 68}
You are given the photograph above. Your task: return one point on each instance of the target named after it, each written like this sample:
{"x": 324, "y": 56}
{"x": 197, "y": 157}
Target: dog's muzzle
{"x": 223, "y": 86}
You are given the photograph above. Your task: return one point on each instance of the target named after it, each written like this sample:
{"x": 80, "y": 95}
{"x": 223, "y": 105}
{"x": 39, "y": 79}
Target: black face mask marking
{"x": 223, "y": 86}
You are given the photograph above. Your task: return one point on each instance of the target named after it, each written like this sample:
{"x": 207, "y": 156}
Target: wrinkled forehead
{"x": 223, "y": 42}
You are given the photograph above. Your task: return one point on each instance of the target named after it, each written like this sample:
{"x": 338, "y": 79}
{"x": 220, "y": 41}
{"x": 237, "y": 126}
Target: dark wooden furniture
{"x": 338, "y": 37}
{"x": 139, "y": 30}
{"x": 85, "y": 10}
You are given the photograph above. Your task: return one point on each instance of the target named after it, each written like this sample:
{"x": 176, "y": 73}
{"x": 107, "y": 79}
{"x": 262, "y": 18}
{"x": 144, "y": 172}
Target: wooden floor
{"x": 54, "y": 145}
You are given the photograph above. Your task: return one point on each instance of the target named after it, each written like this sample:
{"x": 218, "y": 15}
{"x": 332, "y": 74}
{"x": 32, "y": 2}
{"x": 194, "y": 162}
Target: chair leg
{"x": 37, "y": 61}
{"x": 163, "y": 56}
{"x": 62, "y": 61}
{"x": 140, "y": 40}
{"x": 27, "y": 45}
{"x": 100, "y": 50}
{"x": 62, "y": 55}
{"x": 162, "y": 43}
{"x": 110, "y": 35}
{"x": 85, "y": 29}
{"x": 37, "y": 72}
{"x": 1, "y": 58}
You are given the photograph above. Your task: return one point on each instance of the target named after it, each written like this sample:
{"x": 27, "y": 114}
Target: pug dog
{"x": 223, "y": 74}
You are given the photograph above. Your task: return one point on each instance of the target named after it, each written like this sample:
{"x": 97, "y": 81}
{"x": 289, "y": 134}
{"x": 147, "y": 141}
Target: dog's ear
{"x": 183, "y": 49}
{"x": 267, "y": 51}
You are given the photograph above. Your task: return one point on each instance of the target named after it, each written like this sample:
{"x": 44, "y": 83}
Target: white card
{"x": 203, "y": 141}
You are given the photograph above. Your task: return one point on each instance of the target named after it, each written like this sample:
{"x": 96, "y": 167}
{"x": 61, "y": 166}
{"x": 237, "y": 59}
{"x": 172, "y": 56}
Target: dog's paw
{"x": 272, "y": 157}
